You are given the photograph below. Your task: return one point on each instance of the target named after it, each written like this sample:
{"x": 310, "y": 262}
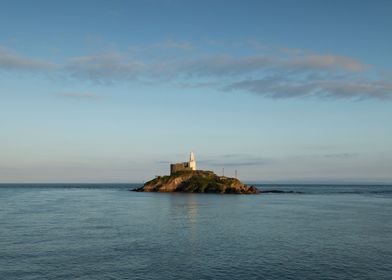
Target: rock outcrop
{"x": 197, "y": 182}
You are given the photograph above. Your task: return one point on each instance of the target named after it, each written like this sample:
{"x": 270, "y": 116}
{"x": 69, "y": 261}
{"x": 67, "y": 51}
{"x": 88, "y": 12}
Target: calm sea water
{"x": 108, "y": 232}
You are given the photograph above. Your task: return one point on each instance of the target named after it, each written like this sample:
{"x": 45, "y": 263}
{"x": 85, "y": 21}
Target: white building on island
{"x": 182, "y": 166}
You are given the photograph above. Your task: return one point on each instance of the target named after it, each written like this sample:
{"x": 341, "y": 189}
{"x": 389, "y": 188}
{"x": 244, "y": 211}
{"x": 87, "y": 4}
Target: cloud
{"x": 248, "y": 162}
{"x": 233, "y": 160}
{"x": 341, "y": 155}
{"x": 163, "y": 162}
{"x": 111, "y": 67}
{"x": 228, "y": 65}
{"x": 172, "y": 44}
{"x": 80, "y": 95}
{"x": 344, "y": 155}
{"x": 12, "y": 61}
{"x": 199, "y": 85}
{"x": 320, "y": 62}
{"x": 284, "y": 87}
{"x": 228, "y": 160}
{"x": 222, "y": 65}
{"x": 280, "y": 74}
{"x": 104, "y": 69}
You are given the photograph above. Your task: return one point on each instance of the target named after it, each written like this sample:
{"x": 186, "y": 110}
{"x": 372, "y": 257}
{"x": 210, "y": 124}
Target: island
{"x": 197, "y": 181}
{"x": 184, "y": 177}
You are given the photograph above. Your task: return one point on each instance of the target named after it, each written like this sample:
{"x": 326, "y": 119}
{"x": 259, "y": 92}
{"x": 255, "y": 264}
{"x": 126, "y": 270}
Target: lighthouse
{"x": 192, "y": 161}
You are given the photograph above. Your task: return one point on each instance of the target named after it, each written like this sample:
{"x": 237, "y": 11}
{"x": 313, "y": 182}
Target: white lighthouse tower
{"x": 192, "y": 161}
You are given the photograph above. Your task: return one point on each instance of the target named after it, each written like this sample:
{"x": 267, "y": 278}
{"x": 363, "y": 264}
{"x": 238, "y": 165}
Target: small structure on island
{"x": 184, "y": 166}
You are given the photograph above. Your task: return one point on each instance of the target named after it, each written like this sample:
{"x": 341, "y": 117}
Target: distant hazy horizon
{"x": 314, "y": 182}
{"x": 114, "y": 91}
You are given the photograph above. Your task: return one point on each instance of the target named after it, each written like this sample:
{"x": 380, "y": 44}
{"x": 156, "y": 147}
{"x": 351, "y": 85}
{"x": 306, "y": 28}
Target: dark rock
{"x": 279, "y": 191}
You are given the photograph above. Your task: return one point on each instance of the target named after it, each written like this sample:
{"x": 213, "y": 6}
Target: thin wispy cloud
{"x": 166, "y": 162}
{"x": 341, "y": 155}
{"x": 281, "y": 74}
{"x": 121, "y": 66}
{"x": 172, "y": 44}
{"x": 10, "y": 60}
{"x": 105, "y": 68}
{"x": 284, "y": 87}
{"x": 79, "y": 95}
{"x": 236, "y": 160}
{"x": 327, "y": 62}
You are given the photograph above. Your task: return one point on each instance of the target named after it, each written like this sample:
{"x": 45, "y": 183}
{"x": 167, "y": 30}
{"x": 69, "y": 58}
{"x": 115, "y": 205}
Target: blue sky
{"x": 112, "y": 91}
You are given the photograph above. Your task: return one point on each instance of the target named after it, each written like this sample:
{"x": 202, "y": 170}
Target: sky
{"x": 115, "y": 91}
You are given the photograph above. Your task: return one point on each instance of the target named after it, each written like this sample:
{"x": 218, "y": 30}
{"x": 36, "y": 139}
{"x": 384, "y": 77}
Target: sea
{"x": 106, "y": 231}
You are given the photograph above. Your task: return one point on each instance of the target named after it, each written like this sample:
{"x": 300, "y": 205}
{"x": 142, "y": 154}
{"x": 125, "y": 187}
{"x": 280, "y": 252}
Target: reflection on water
{"x": 183, "y": 210}
{"x": 191, "y": 210}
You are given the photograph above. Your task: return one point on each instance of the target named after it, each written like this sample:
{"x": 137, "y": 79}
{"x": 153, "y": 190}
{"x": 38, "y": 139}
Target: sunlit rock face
{"x": 197, "y": 182}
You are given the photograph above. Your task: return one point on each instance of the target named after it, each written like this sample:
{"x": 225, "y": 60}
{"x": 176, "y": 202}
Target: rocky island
{"x": 197, "y": 181}
{"x": 184, "y": 177}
